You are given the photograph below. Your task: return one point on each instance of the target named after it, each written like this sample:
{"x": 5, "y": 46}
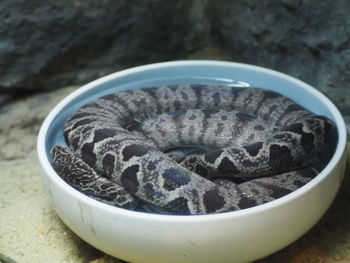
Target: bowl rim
{"x": 50, "y": 172}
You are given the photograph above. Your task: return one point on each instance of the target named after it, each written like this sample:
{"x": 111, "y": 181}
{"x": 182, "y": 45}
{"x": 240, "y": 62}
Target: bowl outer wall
{"x": 239, "y": 236}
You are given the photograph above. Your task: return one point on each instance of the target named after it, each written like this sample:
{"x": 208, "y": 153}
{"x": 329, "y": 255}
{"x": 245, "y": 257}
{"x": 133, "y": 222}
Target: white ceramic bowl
{"x": 239, "y": 236}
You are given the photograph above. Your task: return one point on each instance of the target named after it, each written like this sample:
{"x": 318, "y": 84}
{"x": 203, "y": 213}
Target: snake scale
{"x": 192, "y": 148}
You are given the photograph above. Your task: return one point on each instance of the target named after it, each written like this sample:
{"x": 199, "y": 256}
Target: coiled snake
{"x": 192, "y": 149}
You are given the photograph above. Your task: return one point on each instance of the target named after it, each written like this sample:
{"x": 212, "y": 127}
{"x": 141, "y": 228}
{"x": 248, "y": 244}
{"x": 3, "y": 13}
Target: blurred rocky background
{"x": 45, "y": 45}
{"x": 49, "y": 48}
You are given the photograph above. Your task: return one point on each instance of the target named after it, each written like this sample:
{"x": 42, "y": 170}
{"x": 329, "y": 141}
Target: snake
{"x": 192, "y": 149}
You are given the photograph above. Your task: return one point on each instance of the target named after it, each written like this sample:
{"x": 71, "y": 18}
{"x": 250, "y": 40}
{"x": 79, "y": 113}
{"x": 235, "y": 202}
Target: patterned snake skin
{"x": 192, "y": 149}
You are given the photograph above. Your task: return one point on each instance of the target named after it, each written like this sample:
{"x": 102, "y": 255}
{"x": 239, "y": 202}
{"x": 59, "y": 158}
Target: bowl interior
{"x": 220, "y": 74}
{"x": 55, "y": 132}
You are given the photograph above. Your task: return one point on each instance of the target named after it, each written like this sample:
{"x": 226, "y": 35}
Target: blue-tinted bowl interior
{"x": 197, "y": 74}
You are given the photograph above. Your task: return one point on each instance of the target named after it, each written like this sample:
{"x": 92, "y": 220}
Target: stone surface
{"x": 30, "y": 231}
{"x": 50, "y": 43}
{"x": 307, "y": 39}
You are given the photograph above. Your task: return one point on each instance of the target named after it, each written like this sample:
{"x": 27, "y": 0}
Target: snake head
{"x": 69, "y": 167}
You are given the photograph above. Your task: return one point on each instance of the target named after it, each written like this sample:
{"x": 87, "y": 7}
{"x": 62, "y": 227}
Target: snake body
{"x": 241, "y": 147}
